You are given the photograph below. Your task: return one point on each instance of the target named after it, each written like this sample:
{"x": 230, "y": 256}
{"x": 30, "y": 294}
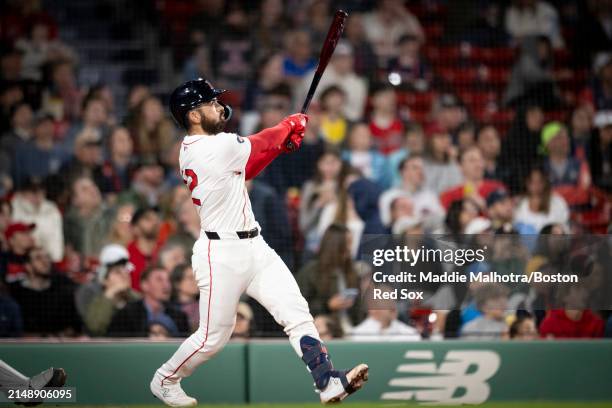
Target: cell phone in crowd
{"x": 350, "y": 293}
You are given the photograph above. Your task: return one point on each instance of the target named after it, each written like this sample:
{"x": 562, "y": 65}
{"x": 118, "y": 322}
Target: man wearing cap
{"x": 19, "y": 239}
{"x": 86, "y": 155}
{"x": 143, "y": 249}
{"x": 340, "y": 72}
{"x": 30, "y": 206}
{"x": 600, "y": 151}
{"x": 449, "y": 112}
{"x": 562, "y": 168}
{"x": 115, "y": 290}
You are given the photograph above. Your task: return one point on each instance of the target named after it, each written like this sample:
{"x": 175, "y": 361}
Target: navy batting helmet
{"x": 192, "y": 94}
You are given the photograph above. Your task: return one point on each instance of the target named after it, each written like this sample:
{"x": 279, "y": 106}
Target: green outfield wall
{"x": 268, "y": 371}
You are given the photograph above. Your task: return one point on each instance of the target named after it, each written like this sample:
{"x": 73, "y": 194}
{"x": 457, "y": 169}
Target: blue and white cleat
{"x": 343, "y": 383}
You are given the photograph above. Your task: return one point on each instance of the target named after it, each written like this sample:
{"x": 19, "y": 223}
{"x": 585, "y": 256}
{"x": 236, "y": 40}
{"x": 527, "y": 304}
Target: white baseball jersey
{"x": 213, "y": 167}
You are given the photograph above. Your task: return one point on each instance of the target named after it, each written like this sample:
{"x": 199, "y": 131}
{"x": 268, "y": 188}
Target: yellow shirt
{"x": 334, "y": 131}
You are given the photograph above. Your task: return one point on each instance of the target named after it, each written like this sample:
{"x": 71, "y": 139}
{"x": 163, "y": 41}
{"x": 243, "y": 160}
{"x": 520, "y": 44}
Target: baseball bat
{"x": 333, "y": 36}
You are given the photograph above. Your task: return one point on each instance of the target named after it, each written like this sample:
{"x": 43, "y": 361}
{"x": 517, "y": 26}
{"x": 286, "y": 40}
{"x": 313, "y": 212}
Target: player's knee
{"x": 214, "y": 342}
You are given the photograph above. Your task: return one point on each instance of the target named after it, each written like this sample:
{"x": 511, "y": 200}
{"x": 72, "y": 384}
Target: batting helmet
{"x": 192, "y": 94}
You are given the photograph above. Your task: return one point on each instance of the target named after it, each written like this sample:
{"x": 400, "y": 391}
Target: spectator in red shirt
{"x": 574, "y": 321}
{"x": 385, "y": 125}
{"x": 143, "y": 249}
{"x": 20, "y": 240}
{"x": 475, "y": 185}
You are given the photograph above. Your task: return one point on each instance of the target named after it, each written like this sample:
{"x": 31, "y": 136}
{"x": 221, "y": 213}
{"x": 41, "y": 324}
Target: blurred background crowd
{"x": 434, "y": 117}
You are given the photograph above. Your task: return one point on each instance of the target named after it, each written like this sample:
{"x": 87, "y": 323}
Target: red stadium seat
{"x": 434, "y": 31}
{"x": 494, "y": 56}
{"x": 558, "y": 115}
{"x": 459, "y": 76}
{"x": 478, "y": 98}
{"x": 498, "y": 76}
{"x": 419, "y": 115}
{"x": 443, "y": 55}
{"x": 416, "y": 100}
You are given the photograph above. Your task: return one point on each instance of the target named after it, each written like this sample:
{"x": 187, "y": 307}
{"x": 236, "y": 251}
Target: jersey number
{"x": 190, "y": 174}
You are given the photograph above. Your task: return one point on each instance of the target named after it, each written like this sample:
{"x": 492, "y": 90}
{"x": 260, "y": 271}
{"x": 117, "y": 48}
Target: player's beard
{"x": 212, "y": 126}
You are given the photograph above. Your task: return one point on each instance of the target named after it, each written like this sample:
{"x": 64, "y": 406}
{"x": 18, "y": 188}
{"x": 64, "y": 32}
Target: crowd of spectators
{"x": 97, "y": 228}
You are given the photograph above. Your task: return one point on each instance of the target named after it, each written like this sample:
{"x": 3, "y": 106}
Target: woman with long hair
{"x": 318, "y": 192}
{"x": 343, "y": 209}
{"x": 540, "y": 206}
{"x": 519, "y": 151}
{"x": 329, "y": 282}
{"x": 153, "y": 132}
{"x": 185, "y": 293}
{"x": 441, "y": 168}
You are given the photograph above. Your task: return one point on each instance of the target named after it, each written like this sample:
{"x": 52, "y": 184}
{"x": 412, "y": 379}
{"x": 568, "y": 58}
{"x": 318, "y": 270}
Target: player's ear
{"x": 193, "y": 116}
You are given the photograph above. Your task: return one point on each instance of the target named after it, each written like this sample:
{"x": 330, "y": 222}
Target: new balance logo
{"x": 461, "y": 378}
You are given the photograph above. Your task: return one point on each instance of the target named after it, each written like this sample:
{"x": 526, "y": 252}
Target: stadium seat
{"x": 500, "y": 56}
{"x": 459, "y": 77}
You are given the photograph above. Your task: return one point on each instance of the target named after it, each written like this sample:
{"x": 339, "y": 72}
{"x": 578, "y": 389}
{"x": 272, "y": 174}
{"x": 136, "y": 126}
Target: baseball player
{"x": 231, "y": 257}
{"x": 11, "y": 379}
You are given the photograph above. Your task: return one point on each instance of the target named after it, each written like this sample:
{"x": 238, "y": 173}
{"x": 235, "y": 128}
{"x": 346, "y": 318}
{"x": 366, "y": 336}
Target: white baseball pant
{"x": 224, "y": 270}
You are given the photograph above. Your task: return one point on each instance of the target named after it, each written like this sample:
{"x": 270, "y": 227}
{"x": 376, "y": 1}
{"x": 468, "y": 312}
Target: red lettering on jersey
{"x": 190, "y": 174}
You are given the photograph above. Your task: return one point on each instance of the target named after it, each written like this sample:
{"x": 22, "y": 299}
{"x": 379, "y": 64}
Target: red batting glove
{"x": 292, "y": 143}
{"x": 297, "y": 124}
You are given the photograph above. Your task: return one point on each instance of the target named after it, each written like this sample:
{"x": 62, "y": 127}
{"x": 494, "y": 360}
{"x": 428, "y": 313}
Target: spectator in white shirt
{"x": 540, "y": 205}
{"x": 526, "y": 18}
{"x": 30, "y": 206}
{"x": 340, "y": 72}
{"x": 386, "y": 24}
{"x": 382, "y": 323}
{"x": 427, "y": 206}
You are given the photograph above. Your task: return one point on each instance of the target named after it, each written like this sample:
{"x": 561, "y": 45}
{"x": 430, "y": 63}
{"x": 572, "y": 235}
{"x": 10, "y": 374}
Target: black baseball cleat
{"x": 52, "y": 377}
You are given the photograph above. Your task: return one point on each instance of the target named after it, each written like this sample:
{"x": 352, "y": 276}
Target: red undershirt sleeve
{"x": 265, "y": 147}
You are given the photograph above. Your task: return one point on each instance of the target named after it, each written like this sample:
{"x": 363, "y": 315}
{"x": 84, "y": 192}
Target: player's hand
{"x": 292, "y": 143}
{"x": 297, "y": 125}
{"x": 116, "y": 283}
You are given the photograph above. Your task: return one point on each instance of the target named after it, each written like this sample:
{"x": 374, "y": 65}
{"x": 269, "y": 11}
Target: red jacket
{"x": 557, "y": 324}
{"x": 140, "y": 262}
{"x": 485, "y": 188}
